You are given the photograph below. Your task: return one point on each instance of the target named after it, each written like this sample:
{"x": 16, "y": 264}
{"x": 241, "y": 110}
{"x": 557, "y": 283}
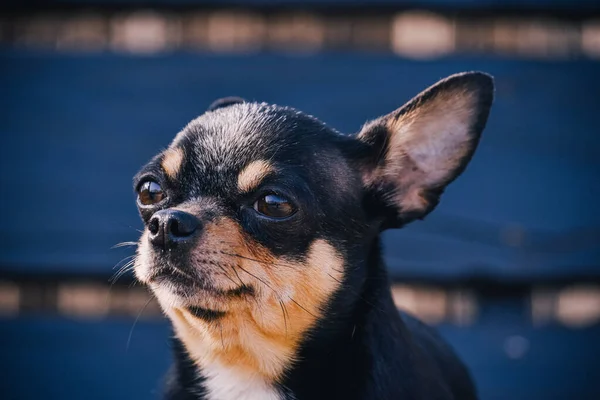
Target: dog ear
{"x": 225, "y": 102}
{"x": 410, "y": 155}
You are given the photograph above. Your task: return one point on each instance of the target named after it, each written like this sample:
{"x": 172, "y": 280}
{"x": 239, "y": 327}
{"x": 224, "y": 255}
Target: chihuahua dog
{"x": 262, "y": 246}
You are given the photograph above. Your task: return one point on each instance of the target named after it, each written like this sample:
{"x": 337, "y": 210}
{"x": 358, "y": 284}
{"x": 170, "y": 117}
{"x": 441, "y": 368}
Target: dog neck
{"x": 336, "y": 354}
{"x": 254, "y": 345}
{"x": 359, "y": 336}
{"x": 230, "y": 368}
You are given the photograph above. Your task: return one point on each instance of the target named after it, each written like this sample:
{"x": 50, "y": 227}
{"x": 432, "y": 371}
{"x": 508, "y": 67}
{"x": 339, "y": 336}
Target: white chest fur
{"x": 231, "y": 383}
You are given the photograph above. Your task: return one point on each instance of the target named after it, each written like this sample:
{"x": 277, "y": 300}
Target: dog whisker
{"x": 284, "y": 312}
{"x": 255, "y": 260}
{"x": 302, "y": 307}
{"x": 227, "y": 275}
{"x": 235, "y": 272}
{"x": 123, "y": 259}
{"x": 135, "y": 322}
{"x": 125, "y": 268}
{"x": 124, "y": 244}
{"x": 277, "y": 293}
{"x": 280, "y": 300}
{"x": 122, "y": 270}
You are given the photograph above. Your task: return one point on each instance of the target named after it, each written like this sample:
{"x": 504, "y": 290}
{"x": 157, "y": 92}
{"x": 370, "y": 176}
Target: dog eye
{"x": 274, "y": 206}
{"x": 150, "y": 193}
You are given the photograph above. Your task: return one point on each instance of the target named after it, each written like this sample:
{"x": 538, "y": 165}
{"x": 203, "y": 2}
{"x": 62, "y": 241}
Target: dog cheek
{"x": 321, "y": 276}
{"x": 304, "y": 288}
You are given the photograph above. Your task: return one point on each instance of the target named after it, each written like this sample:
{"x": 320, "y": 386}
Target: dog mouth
{"x": 173, "y": 275}
{"x": 188, "y": 285}
{"x": 205, "y": 313}
{"x": 211, "y": 314}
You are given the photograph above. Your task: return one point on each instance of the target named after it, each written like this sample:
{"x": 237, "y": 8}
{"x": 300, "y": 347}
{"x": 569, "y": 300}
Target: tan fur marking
{"x": 172, "y": 160}
{"x": 251, "y": 176}
{"x": 259, "y": 335}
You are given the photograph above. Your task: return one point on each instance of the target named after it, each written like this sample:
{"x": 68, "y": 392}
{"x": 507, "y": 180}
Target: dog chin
{"x": 174, "y": 295}
{"x": 175, "y": 290}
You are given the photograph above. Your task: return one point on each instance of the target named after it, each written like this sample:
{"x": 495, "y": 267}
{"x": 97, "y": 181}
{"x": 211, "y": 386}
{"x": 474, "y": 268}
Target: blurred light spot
{"x": 590, "y": 38}
{"x": 194, "y": 30}
{"x": 90, "y": 300}
{"x": 239, "y": 31}
{"x": 474, "y": 35}
{"x": 144, "y": 32}
{"x": 10, "y": 298}
{"x": 536, "y": 38}
{"x": 463, "y": 307}
{"x": 429, "y": 304}
{"x": 421, "y": 34}
{"x": 543, "y": 38}
{"x": 370, "y": 33}
{"x": 83, "y": 32}
{"x": 38, "y": 30}
{"x": 133, "y": 302}
{"x": 300, "y": 32}
{"x": 504, "y": 35}
{"x": 339, "y": 32}
{"x": 579, "y": 306}
{"x": 516, "y": 347}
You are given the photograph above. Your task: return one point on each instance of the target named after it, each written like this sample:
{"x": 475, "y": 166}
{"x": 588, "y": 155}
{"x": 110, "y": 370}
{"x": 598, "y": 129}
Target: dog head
{"x": 257, "y": 215}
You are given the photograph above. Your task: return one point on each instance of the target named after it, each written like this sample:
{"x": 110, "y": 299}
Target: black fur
{"x": 362, "y": 348}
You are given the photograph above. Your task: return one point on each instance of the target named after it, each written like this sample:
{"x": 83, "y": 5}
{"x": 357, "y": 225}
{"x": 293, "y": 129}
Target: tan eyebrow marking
{"x": 252, "y": 175}
{"x": 172, "y": 160}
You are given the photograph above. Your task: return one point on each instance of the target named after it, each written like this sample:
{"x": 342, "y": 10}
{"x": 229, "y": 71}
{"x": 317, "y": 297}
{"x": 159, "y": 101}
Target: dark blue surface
{"x": 54, "y": 358}
{"x": 74, "y": 130}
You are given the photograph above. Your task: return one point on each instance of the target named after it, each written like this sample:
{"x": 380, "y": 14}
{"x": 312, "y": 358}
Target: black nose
{"x": 171, "y": 227}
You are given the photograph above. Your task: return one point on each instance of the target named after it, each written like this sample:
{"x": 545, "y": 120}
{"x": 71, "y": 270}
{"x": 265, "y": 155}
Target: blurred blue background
{"x": 508, "y": 266}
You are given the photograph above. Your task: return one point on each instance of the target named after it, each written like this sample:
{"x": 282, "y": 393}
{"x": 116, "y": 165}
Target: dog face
{"x": 258, "y": 216}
